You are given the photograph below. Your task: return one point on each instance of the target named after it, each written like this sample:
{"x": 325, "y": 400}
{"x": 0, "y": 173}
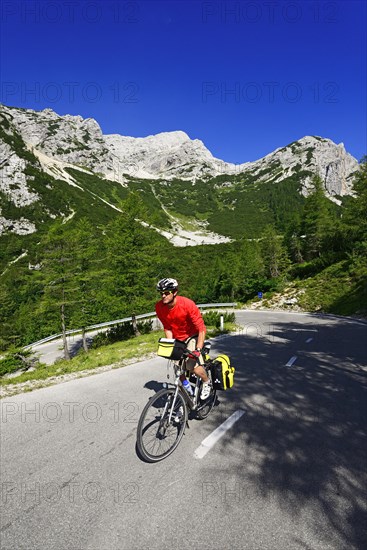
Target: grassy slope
{"x": 234, "y": 205}
{"x": 115, "y": 354}
{"x": 340, "y": 288}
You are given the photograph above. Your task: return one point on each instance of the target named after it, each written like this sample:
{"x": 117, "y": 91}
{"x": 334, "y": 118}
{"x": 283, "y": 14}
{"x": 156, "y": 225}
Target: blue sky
{"x": 243, "y": 76}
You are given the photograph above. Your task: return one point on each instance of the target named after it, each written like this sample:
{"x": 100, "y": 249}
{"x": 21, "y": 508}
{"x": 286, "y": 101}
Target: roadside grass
{"x": 212, "y": 332}
{"x": 115, "y": 355}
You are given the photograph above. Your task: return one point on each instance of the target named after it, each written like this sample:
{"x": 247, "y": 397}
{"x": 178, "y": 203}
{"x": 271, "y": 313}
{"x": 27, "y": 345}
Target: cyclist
{"x": 181, "y": 319}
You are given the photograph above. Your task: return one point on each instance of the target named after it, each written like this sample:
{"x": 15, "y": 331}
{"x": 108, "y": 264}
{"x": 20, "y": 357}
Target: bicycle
{"x": 164, "y": 418}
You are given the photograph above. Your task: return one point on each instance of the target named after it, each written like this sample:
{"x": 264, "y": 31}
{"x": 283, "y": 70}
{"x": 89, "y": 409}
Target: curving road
{"x": 290, "y": 473}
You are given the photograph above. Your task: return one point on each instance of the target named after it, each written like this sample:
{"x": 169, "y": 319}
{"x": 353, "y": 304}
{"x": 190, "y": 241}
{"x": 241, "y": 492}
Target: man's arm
{"x": 201, "y": 339}
{"x": 163, "y": 320}
{"x": 198, "y": 322}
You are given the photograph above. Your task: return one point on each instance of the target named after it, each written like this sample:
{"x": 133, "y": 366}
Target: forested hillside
{"x": 81, "y": 244}
{"x": 92, "y": 268}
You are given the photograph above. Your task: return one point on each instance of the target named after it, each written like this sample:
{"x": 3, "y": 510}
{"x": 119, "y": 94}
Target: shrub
{"x": 212, "y": 318}
{"x": 120, "y": 332}
{"x": 13, "y": 361}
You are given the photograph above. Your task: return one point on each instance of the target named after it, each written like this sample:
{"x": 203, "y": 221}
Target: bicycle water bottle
{"x": 186, "y": 384}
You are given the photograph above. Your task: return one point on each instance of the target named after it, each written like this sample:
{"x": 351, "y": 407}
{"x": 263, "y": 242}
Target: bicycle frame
{"x": 191, "y": 401}
{"x": 164, "y": 418}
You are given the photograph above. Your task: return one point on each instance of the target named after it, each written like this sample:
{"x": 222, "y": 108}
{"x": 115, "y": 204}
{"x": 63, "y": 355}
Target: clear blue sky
{"x": 245, "y": 77}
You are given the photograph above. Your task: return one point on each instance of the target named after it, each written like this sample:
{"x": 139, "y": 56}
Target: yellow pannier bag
{"x": 222, "y": 373}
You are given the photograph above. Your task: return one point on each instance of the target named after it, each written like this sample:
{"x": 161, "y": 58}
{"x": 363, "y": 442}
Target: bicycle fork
{"x": 173, "y": 404}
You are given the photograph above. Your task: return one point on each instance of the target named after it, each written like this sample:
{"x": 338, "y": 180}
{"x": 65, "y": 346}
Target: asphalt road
{"x": 290, "y": 473}
{"x": 49, "y": 352}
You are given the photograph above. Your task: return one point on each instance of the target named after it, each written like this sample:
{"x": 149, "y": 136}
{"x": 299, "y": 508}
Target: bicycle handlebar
{"x": 189, "y": 354}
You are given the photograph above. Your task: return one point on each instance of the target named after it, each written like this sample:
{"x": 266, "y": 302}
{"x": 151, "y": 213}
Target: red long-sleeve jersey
{"x": 184, "y": 319}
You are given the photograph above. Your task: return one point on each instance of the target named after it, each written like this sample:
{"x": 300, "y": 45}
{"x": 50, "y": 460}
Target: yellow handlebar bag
{"x": 171, "y": 348}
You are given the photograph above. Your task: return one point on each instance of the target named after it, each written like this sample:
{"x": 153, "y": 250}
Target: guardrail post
{"x": 135, "y": 325}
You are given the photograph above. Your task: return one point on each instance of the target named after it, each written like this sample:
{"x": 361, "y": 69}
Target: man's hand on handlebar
{"x": 195, "y": 355}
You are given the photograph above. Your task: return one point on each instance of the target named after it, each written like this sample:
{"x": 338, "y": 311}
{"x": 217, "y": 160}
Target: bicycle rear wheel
{"x": 206, "y": 406}
{"x": 161, "y": 426}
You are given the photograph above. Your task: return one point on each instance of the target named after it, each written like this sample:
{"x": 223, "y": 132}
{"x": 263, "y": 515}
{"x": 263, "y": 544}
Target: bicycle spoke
{"x": 157, "y": 437}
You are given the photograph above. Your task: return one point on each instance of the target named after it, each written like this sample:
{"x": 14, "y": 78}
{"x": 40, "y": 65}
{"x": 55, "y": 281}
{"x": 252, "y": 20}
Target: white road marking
{"x": 291, "y": 361}
{"x": 172, "y": 483}
{"x": 309, "y": 340}
{"x": 215, "y": 436}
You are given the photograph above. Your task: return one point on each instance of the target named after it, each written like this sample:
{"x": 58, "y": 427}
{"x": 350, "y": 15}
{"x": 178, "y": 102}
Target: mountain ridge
{"x": 38, "y": 148}
{"x": 125, "y": 154}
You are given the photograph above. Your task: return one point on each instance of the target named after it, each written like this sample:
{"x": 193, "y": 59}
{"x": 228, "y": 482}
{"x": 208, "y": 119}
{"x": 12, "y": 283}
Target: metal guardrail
{"x": 119, "y": 321}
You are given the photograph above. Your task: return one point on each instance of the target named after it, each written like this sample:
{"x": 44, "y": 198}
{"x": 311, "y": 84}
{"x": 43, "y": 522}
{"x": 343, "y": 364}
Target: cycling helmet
{"x": 167, "y": 284}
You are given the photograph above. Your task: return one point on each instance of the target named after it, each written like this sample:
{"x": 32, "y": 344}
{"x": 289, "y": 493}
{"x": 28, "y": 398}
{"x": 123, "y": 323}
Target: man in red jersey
{"x": 181, "y": 319}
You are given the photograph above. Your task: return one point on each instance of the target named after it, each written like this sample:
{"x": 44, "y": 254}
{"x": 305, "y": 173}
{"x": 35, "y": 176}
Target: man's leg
{"x": 198, "y": 370}
{"x": 201, "y": 373}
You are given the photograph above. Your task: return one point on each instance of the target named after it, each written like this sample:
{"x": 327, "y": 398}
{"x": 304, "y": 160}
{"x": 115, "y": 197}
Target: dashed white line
{"x": 309, "y": 340}
{"x": 291, "y": 361}
{"x": 212, "y": 439}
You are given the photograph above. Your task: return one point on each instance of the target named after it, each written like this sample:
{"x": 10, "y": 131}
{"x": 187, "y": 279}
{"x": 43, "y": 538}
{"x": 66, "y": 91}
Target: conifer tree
{"x": 7, "y": 336}
{"x": 87, "y": 271}
{"x": 293, "y": 241}
{"x": 274, "y": 255}
{"x": 251, "y": 268}
{"x": 56, "y": 266}
{"x": 317, "y": 224}
{"x": 354, "y": 218}
{"x": 131, "y": 258}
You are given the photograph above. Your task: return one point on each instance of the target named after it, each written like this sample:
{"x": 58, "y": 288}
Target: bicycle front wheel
{"x": 161, "y": 425}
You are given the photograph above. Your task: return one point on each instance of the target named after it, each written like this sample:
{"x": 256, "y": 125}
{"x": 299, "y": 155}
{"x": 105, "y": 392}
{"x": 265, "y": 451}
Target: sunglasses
{"x": 166, "y": 293}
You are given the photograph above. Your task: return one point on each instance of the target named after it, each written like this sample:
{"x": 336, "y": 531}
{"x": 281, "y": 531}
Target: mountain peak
{"x": 74, "y": 140}
{"x": 42, "y": 153}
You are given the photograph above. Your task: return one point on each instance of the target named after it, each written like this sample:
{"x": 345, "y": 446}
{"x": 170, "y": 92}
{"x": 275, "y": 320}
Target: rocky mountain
{"x": 38, "y": 148}
{"x": 314, "y": 154}
{"x": 79, "y": 141}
